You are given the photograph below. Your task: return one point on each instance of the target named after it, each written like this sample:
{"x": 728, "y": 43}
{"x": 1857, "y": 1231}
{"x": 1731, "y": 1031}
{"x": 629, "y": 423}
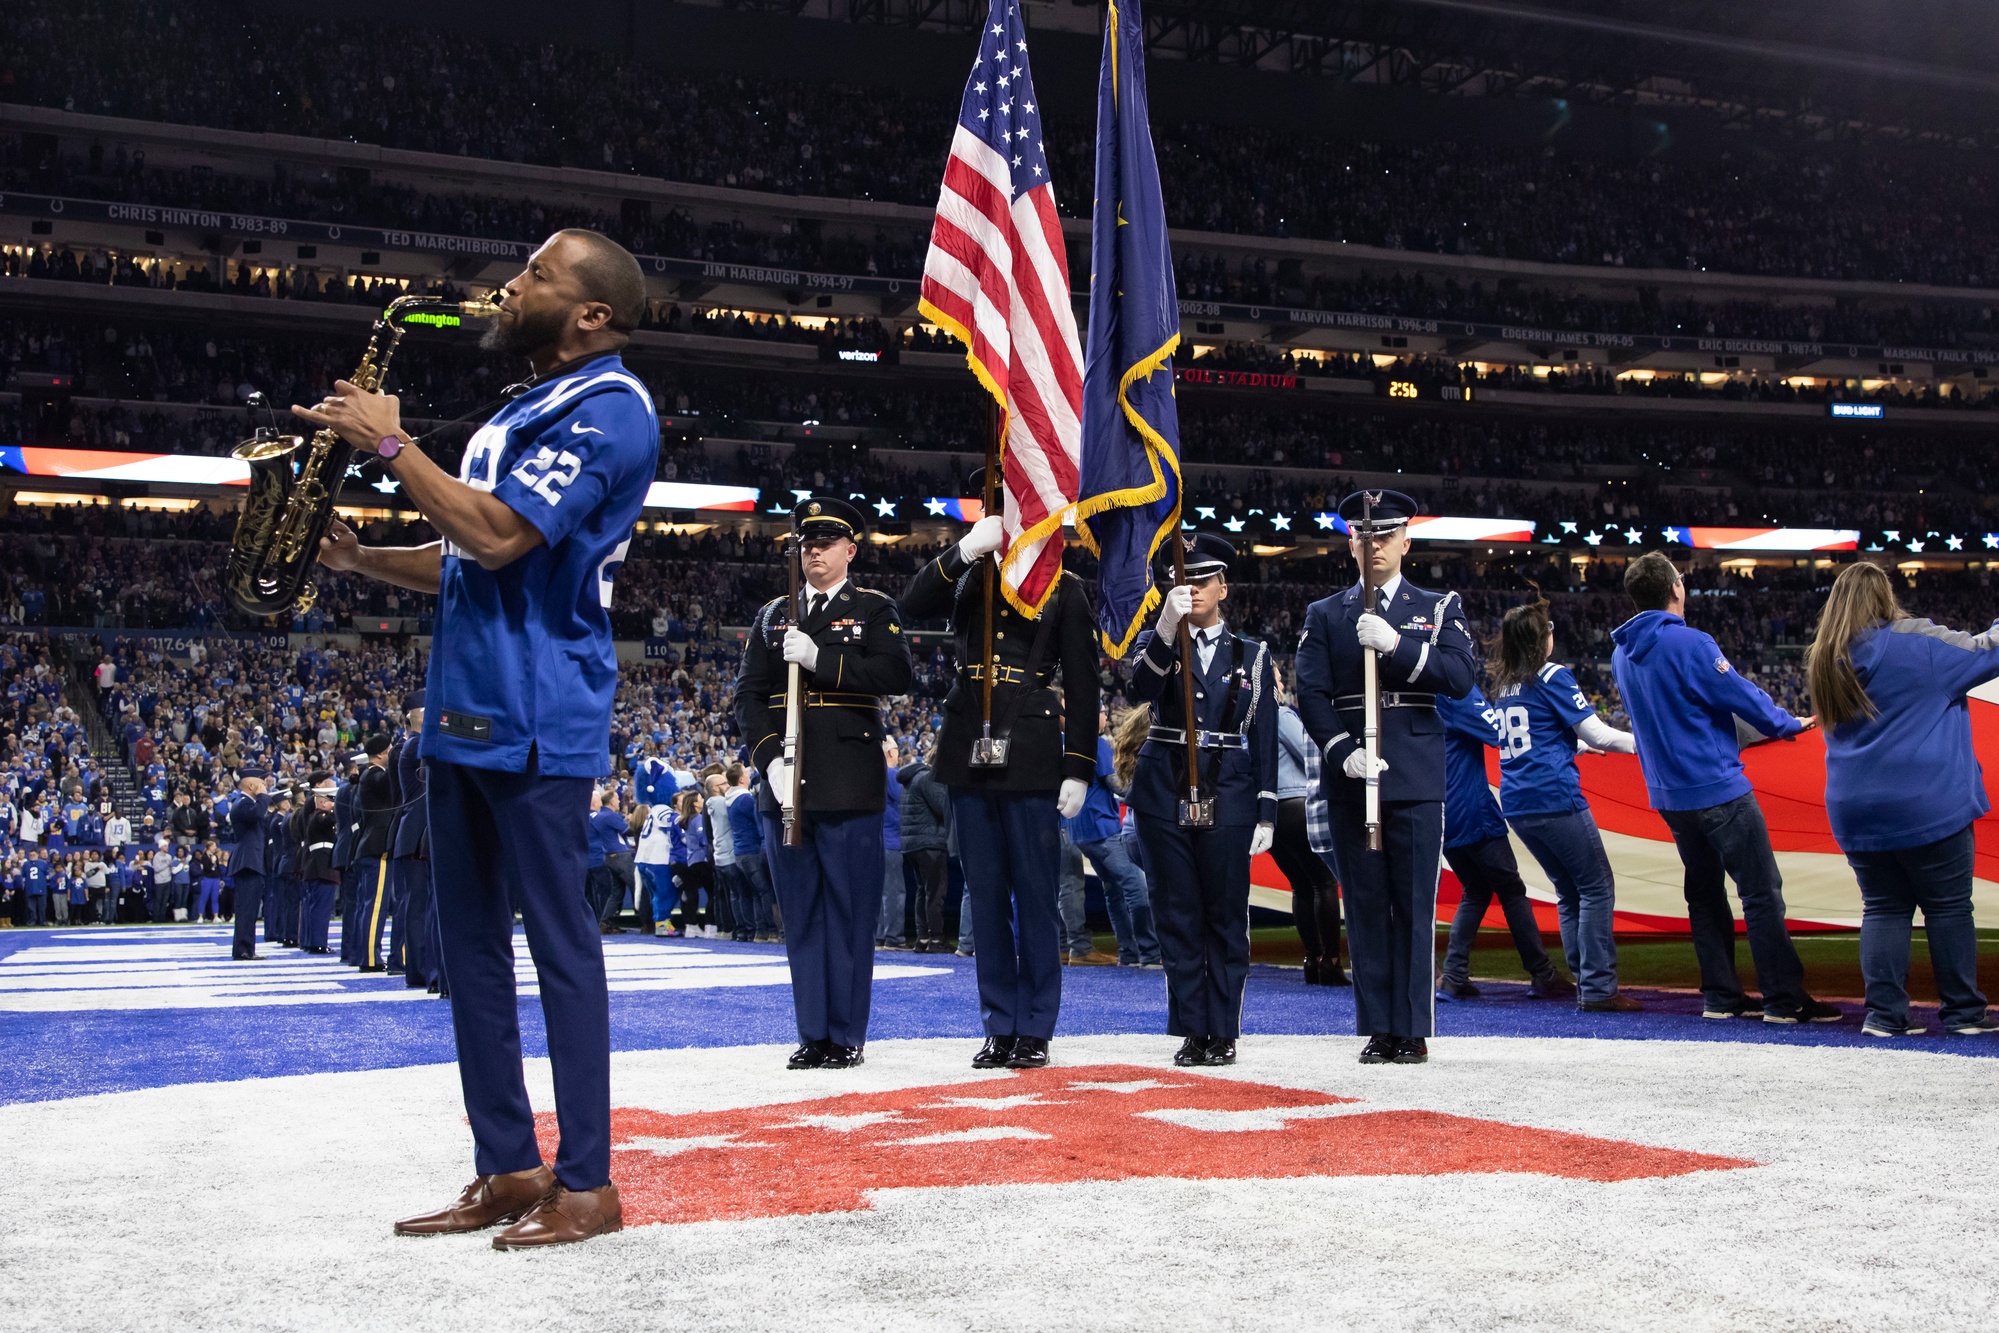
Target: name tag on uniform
{"x": 465, "y": 726}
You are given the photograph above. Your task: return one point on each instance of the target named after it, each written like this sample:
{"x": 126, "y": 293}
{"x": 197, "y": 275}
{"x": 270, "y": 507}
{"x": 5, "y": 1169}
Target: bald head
{"x": 605, "y": 271}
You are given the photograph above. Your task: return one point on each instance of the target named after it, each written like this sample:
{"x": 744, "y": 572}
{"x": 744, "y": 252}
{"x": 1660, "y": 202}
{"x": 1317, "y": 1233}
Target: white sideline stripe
{"x": 1240, "y": 1122}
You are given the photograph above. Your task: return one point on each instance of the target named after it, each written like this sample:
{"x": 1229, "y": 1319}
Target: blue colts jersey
{"x": 1471, "y": 726}
{"x": 522, "y": 658}
{"x": 1537, "y": 748}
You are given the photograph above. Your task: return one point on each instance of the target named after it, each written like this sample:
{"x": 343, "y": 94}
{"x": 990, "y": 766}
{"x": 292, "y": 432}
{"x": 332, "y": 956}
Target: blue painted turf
{"x": 66, "y": 1054}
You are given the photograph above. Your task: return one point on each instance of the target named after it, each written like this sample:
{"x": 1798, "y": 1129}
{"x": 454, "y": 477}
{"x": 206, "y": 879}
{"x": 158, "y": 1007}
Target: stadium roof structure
{"x": 1910, "y": 69}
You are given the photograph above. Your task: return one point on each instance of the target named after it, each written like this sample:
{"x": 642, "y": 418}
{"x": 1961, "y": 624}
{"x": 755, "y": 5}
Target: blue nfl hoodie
{"x": 1683, "y": 698}
{"x": 1907, "y": 775}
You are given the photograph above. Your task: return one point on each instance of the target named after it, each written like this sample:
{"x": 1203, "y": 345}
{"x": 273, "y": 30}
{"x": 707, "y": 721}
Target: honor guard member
{"x": 246, "y": 858}
{"x": 371, "y": 853}
{"x": 317, "y": 840}
{"x": 281, "y": 855}
{"x": 1425, "y": 651}
{"x": 1199, "y": 860}
{"x": 1012, "y": 786}
{"x": 523, "y": 674}
{"x": 410, "y": 857}
{"x": 346, "y": 830}
{"x": 851, "y": 652}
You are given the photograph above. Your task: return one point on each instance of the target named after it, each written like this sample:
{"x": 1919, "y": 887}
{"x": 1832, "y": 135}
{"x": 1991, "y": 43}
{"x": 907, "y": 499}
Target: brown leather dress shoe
{"x": 486, "y": 1201}
{"x": 564, "y": 1216}
{"x": 1094, "y": 958}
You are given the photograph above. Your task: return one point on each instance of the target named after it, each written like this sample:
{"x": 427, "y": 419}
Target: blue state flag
{"x": 1129, "y": 497}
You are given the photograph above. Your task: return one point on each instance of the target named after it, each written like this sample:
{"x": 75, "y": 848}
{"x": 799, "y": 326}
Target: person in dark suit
{"x": 246, "y": 859}
{"x": 282, "y": 889}
{"x": 1424, "y": 650}
{"x": 1008, "y": 814}
{"x": 850, "y": 648}
{"x": 371, "y": 853}
{"x": 410, "y": 857}
{"x": 1200, "y": 872}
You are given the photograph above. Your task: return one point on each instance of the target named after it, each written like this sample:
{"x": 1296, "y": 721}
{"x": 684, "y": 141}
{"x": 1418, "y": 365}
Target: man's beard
{"x": 525, "y": 334}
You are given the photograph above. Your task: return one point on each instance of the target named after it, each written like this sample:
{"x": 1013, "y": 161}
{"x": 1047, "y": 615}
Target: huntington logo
{"x": 1093, "y": 1123}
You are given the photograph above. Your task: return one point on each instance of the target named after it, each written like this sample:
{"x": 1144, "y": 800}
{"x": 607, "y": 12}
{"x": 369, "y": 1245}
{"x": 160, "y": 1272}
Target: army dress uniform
{"x": 1007, "y": 821}
{"x": 1391, "y": 894}
{"x": 1200, "y": 876}
{"x": 829, "y": 886}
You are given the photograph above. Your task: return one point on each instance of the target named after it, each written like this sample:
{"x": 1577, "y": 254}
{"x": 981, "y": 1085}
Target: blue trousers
{"x": 755, "y": 873}
{"x": 658, "y": 880}
{"x": 1391, "y": 901}
{"x": 1893, "y": 884}
{"x": 350, "y": 897}
{"x": 397, "y": 957}
{"x": 1571, "y": 851}
{"x": 413, "y": 910}
{"x": 315, "y": 914}
{"x": 1128, "y": 898}
{"x": 1732, "y": 839}
{"x": 249, "y": 901}
{"x": 1011, "y": 849}
{"x": 1486, "y": 869}
{"x": 373, "y": 893}
{"x": 501, "y": 842}
{"x": 829, "y": 889}
{"x": 895, "y": 897}
{"x": 1200, "y": 898}
{"x": 207, "y": 903}
{"x": 38, "y": 909}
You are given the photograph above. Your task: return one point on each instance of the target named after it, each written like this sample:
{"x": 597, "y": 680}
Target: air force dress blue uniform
{"x": 246, "y": 865}
{"x": 412, "y": 947}
{"x": 517, "y": 727}
{"x": 829, "y": 887}
{"x": 1391, "y": 894}
{"x": 1200, "y": 876}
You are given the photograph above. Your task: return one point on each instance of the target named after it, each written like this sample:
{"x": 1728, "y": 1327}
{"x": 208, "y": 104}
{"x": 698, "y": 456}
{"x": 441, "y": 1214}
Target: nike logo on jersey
{"x": 578, "y": 428}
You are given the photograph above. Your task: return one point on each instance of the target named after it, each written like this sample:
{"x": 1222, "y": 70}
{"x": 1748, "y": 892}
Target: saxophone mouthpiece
{"x": 480, "y": 309}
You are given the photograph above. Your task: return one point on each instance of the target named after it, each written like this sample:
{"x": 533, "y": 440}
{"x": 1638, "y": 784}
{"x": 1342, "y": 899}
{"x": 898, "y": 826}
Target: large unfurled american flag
{"x": 997, "y": 277}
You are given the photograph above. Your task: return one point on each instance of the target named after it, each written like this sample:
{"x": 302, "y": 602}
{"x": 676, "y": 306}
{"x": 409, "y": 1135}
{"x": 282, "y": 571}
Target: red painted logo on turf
{"x": 1097, "y": 1122}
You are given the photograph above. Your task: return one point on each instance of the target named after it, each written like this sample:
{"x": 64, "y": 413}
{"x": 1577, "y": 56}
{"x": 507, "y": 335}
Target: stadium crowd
{"x": 1805, "y": 211}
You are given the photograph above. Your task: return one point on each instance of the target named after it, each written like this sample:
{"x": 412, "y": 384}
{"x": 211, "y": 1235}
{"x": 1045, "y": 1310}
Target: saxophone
{"x": 290, "y": 503}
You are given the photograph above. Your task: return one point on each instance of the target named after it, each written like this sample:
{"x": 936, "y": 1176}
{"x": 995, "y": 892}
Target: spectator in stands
{"x": 746, "y": 833}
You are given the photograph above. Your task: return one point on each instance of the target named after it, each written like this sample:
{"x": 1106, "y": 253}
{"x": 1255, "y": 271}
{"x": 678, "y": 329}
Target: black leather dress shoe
{"x": 1029, "y": 1053}
{"x": 1332, "y": 974}
{"x": 1380, "y": 1049}
{"x": 1411, "y": 1051}
{"x": 842, "y": 1057}
{"x": 994, "y": 1054}
{"x": 1193, "y": 1051}
{"x": 809, "y": 1055}
{"x": 1221, "y": 1051}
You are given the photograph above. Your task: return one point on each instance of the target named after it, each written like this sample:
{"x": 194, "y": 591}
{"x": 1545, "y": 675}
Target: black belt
{"x": 1387, "y": 700}
{"x": 1002, "y": 674}
{"x": 829, "y": 699}
{"x": 1207, "y": 740}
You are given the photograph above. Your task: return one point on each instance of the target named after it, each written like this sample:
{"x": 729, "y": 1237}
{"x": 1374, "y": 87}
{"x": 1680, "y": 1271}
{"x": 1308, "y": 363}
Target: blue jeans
{"x": 1486, "y": 869}
{"x": 1571, "y": 852}
{"x": 38, "y": 909}
{"x": 1893, "y": 884}
{"x": 1732, "y": 838}
{"x": 888, "y": 929}
{"x": 965, "y": 922}
{"x": 1076, "y": 935}
{"x": 756, "y": 874}
{"x": 1128, "y": 898}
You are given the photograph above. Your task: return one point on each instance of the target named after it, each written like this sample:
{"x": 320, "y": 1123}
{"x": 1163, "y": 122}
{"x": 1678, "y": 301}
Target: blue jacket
{"x": 1683, "y": 698}
{"x": 246, "y": 822}
{"x": 1241, "y": 781}
{"x": 891, "y": 815}
{"x": 1292, "y": 745}
{"x": 1471, "y": 724}
{"x": 1098, "y": 819}
{"x": 1907, "y": 775}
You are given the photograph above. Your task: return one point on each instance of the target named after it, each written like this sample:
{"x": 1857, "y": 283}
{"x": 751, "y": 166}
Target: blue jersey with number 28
{"x": 522, "y": 658}
{"x": 1537, "y": 746}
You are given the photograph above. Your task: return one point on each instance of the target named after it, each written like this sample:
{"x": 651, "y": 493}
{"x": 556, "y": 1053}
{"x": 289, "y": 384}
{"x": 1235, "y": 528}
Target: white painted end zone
{"x": 266, "y": 1205}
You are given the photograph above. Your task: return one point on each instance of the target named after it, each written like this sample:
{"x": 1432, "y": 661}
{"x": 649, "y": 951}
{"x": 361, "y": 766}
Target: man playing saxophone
{"x": 517, "y": 724}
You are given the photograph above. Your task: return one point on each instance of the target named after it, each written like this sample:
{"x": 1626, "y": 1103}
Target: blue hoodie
{"x": 1907, "y": 775}
{"x": 1683, "y": 698}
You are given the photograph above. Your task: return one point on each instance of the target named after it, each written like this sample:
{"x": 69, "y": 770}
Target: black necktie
{"x": 812, "y": 608}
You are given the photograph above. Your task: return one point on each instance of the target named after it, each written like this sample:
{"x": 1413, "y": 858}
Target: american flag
{"x": 997, "y": 277}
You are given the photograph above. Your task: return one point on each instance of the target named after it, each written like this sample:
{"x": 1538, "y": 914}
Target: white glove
{"x": 984, "y": 538}
{"x": 799, "y": 648}
{"x": 1259, "y": 841}
{"x": 1175, "y": 607}
{"x": 779, "y": 777}
{"x": 1070, "y": 802}
{"x": 1356, "y": 765}
{"x": 1376, "y": 633}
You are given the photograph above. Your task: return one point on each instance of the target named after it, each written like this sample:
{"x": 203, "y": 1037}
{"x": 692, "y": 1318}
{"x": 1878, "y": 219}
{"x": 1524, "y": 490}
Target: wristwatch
{"x": 388, "y": 447}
